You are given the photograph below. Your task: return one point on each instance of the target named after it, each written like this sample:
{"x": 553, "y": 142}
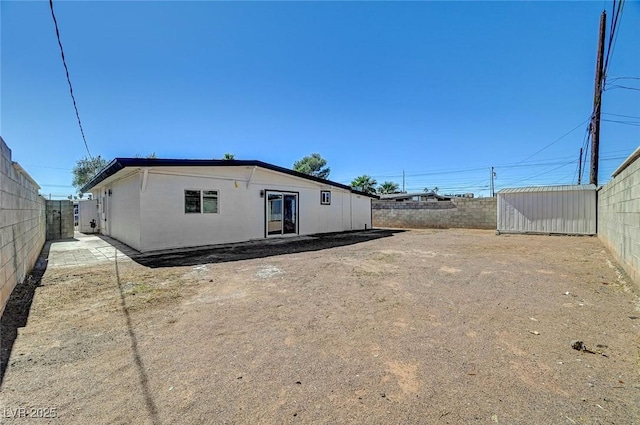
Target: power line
{"x": 544, "y": 172}
{"x": 617, "y": 86}
{"x": 623, "y": 116}
{"x": 428, "y": 178}
{"x": 502, "y": 167}
{"x": 585, "y": 148}
{"x": 46, "y": 166}
{"x": 56, "y": 185}
{"x": 552, "y": 143}
{"x": 612, "y": 79}
{"x": 633, "y": 123}
{"x": 613, "y": 34}
{"x": 66, "y": 69}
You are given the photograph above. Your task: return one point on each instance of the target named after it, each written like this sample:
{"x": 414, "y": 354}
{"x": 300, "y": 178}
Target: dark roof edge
{"x": 120, "y": 163}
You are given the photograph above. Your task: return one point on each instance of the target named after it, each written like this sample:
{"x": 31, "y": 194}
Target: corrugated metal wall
{"x": 566, "y": 210}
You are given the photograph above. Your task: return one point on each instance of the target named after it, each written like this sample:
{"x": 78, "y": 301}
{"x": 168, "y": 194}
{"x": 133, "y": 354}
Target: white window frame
{"x": 202, "y": 197}
{"x": 324, "y": 201}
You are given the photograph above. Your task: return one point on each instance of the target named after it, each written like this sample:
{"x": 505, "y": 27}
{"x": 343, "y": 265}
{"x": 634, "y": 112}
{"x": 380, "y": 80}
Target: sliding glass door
{"x": 282, "y": 213}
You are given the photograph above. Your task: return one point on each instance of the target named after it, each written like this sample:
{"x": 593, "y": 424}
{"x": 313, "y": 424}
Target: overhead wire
{"x": 623, "y": 78}
{"x": 585, "y": 151}
{"x": 547, "y": 172}
{"x": 617, "y": 86}
{"x": 552, "y": 143}
{"x": 633, "y": 123}
{"x": 543, "y": 172}
{"x": 66, "y": 69}
{"x": 620, "y": 115}
{"x": 613, "y": 35}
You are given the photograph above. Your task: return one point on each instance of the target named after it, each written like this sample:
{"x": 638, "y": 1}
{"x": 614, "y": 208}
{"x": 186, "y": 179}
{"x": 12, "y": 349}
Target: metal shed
{"x": 569, "y": 210}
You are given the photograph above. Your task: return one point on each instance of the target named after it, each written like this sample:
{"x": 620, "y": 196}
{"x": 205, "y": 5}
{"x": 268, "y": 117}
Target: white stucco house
{"x": 155, "y": 204}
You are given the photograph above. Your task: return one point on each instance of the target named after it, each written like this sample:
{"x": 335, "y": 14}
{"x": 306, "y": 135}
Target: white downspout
{"x": 253, "y": 170}
{"x": 145, "y": 177}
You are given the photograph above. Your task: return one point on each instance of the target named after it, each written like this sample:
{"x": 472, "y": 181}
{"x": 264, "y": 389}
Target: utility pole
{"x": 493, "y": 175}
{"x": 580, "y": 168}
{"x": 597, "y": 103}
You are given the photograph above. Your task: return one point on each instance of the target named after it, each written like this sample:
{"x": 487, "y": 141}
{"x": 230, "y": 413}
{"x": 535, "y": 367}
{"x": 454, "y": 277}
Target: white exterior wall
{"x": 87, "y": 211}
{"x": 360, "y": 212}
{"x": 165, "y": 225}
{"x": 119, "y": 212}
{"x": 241, "y": 217}
{"x": 571, "y": 212}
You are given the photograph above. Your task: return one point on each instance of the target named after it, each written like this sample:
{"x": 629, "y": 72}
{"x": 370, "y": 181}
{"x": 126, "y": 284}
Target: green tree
{"x": 85, "y": 169}
{"x": 313, "y": 165}
{"x": 434, "y": 190}
{"x": 388, "y": 187}
{"x": 229, "y": 156}
{"x": 364, "y": 183}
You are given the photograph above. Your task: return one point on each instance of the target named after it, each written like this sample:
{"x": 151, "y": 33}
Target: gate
{"x": 60, "y": 219}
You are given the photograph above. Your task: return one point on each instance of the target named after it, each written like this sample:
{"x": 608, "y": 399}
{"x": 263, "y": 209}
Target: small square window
{"x": 209, "y": 201}
{"x": 325, "y": 197}
{"x": 192, "y": 201}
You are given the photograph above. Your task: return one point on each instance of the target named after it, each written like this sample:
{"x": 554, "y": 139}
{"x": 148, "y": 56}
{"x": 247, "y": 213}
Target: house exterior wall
{"x": 469, "y": 213}
{"x": 619, "y": 216}
{"x": 241, "y": 216}
{"x": 88, "y": 211}
{"x": 165, "y": 225}
{"x": 361, "y": 216}
{"x": 119, "y": 212}
{"x": 570, "y": 212}
{"x": 22, "y": 224}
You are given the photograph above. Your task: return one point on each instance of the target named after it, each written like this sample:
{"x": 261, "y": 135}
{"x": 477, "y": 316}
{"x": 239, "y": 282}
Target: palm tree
{"x": 434, "y": 190}
{"x": 364, "y": 183}
{"x": 229, "y": 156}
{"x": 388, "y": 187}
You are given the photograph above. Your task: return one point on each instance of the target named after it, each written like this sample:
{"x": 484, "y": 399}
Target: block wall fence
{"x": 468, "y": 213}
{"x": 619, "y": 215}
{"x": 22, "y": 224}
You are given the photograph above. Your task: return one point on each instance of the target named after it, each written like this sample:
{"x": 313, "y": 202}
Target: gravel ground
{"x": 429, "y": 326}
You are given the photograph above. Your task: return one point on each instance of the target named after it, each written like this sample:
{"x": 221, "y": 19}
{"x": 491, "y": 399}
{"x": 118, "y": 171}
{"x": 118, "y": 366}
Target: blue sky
{"x": 440, "y": 90}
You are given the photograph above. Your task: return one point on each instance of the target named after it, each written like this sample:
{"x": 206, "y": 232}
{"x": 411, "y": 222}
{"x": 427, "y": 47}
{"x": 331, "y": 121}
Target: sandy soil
{"x": 446, "y": 326}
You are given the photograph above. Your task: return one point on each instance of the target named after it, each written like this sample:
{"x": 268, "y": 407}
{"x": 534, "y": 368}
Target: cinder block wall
{"x": 619, "y": 215}
{"x": 469, "y": 213}
{"x": 22, "y": 224}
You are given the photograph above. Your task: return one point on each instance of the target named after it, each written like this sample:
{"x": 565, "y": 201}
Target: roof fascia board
{"x": 120, "y": 163}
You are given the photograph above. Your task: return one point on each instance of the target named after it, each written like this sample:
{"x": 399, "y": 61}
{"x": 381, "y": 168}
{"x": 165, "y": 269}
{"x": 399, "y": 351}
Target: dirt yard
{"x": 415, "y": 327}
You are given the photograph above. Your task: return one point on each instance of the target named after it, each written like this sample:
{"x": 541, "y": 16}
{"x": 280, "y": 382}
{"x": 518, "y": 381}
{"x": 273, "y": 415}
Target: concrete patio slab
{"x": 85, "y": 250}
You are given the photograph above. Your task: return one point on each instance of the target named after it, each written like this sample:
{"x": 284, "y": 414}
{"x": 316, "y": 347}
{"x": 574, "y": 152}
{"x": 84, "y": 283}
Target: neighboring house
{"x": 154, "y": 204}
{"x": 418, "y": 196}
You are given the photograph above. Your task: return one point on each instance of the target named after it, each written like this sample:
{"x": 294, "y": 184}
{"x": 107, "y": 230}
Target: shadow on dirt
{"x": 135, "y": 352}
{"x": 259, "y": 249}
{"x": 16, "y": 312}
